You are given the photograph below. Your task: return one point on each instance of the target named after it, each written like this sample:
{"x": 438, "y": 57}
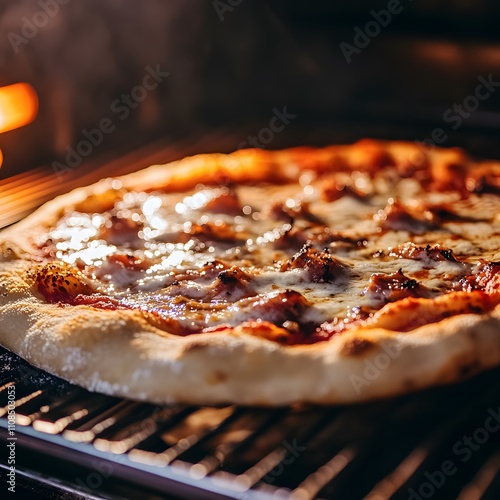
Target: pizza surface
{"x": 324, "y": 275}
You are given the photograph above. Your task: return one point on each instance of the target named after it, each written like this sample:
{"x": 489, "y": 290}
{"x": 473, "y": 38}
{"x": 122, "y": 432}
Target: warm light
{"x": 18, "y": 106}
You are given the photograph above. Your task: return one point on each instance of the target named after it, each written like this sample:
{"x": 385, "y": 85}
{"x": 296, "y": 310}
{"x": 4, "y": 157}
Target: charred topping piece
{"x": 443, "y": 213}
{"x": 221, "y": 232}
{"x": 483, "y": 184}
{"x": 393, "y": 287}
{"x": 295, "y": 237}
{"x": 454, "y": 174}
{"x": 370, "y": 157}
{"x": 320, "y": 265}
{"x": 276, "y": 316}
{"x": 279, "y": 307}
{"x": 333, "y": 190}
{"x": 328, "y": 237}
{"x": 396, "y": 216}
{"x": 291, "y": 210}
{"x": 434, "y": 253}
{"x": 229, "y": 284}
{"x": 227, "y": 202}
{"x": 209, "y": 270}
{"x": 448, "y": 175}
{"x": 121, "y": 231}
{"x": 232, "y": 284}
{"x": 486, "y": 278}
{"x": 292, "y": 237}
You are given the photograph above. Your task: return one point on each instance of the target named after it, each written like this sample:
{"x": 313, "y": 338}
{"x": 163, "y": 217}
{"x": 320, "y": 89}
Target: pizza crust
{"x": 120, "y": 353}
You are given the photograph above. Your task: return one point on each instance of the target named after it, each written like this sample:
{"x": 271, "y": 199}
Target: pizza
{"x": 308, "y": 275}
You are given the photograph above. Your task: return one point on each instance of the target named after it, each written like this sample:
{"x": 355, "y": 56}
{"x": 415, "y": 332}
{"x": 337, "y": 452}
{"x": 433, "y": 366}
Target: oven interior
{"x": 230, "y": 65}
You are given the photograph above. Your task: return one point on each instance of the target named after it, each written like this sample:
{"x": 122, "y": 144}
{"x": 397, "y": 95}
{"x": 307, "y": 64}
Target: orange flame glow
{"x": 18, "y": 107}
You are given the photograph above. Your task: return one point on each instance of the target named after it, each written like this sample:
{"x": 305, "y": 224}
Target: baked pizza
{"x": 308, "y": 275}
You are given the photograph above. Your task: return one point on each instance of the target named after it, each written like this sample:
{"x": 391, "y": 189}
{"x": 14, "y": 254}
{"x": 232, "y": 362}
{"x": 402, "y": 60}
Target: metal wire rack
{"x": 443, "y": 443}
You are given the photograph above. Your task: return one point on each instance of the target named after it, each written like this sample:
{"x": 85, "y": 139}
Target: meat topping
{"x": 231, "y": 284}
{"x": 393, "y": 287}
{"x": 396, "y": 216}
{"x": 278, "y": 307}
{"x": 320, "y": 265}
{"x": 483, "y": 184}
{"x": 121, "y": 231}
{"x": 227, "y": 202}
{"x": 448, "y": 175}
{"x": 291, "y": 210}
{"x": 334, "y": 190}
{"x": 295, "y": 237}
{"x": 434, "y": 253}
{"x": 485, "y": 278}
{"x": 292, "y": 237}
{"x": 441, "y": 212}
{"x": 217, "y": 232}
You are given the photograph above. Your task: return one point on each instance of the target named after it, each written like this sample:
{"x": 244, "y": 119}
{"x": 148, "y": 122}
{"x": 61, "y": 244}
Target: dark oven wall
{"x": 123, "y": 73}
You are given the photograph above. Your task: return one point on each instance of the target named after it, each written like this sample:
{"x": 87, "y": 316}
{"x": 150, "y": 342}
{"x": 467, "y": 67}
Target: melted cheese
{"x": 165, "y": 239}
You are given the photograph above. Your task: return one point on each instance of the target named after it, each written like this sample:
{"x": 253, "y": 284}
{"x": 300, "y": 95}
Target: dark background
{"x": 231, "y": 62}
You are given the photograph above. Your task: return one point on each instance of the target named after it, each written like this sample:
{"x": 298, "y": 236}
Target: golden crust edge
{"x": 128, "y": 357}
